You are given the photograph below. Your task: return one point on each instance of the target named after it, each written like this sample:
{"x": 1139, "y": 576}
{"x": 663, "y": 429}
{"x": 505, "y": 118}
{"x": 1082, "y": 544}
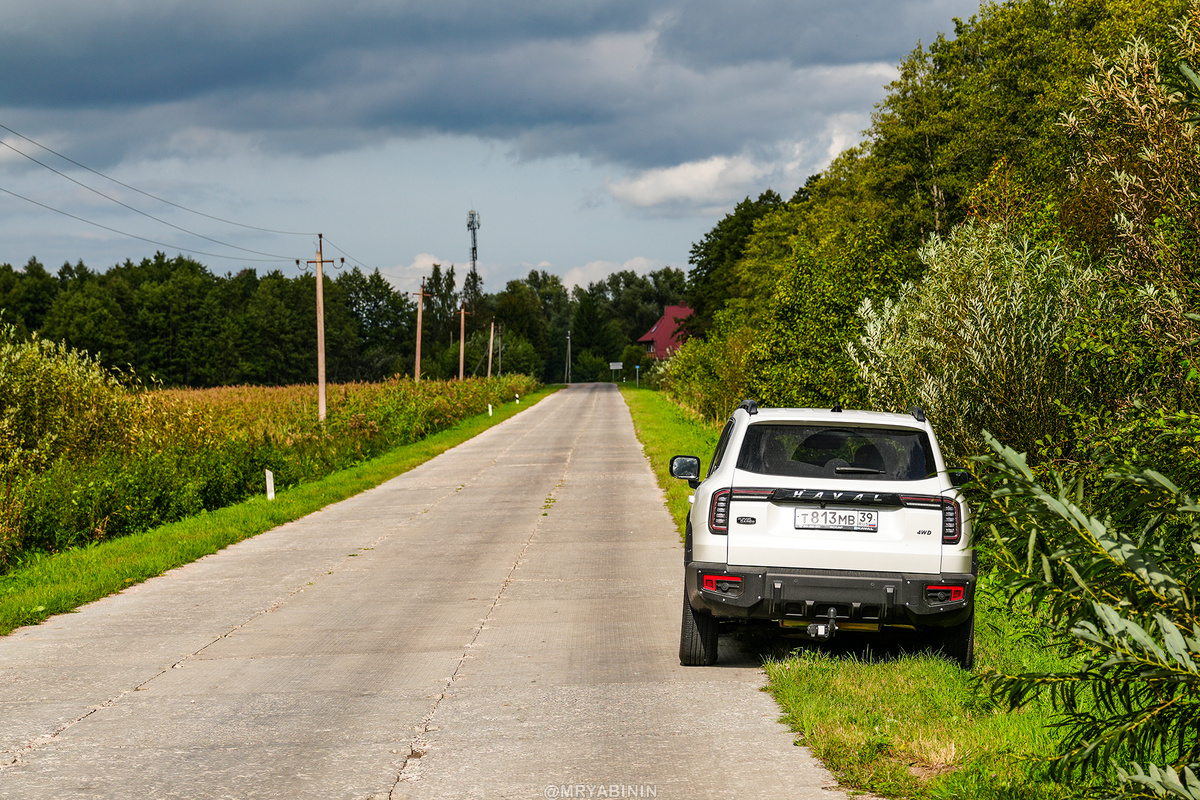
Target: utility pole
{"x": 462, "y": 339}
{"x": 567, "y": 369}
{"x": 319, "y": 262}
{"x": 420, "y": 309}
{"x": 491, "y": 343}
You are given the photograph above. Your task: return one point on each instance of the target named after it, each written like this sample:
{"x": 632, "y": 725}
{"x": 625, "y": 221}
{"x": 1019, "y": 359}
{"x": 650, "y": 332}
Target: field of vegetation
{"x": 91, "y": 455}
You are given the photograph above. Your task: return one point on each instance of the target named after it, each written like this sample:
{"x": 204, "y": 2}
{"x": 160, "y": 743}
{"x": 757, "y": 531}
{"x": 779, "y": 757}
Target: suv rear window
{"x": 820, "y": 451}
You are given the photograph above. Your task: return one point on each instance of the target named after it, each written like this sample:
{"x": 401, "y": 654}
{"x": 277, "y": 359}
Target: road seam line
{"x": 419, "y": 743}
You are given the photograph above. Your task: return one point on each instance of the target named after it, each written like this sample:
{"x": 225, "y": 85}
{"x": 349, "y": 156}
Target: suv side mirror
{"x": 686, "y": 468}
{"x": 959, "y": 477}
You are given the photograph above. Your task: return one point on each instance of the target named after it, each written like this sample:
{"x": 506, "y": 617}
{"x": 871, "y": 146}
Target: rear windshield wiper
{"x": 858, "y": 470}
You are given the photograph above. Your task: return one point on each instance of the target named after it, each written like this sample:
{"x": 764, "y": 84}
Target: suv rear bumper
{"x": 804, "y": 596}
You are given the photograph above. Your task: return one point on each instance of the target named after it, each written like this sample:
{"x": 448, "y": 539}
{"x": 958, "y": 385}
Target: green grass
{"x": 916, "y": 726}
{"x": 44, "y": 585}
{"x": 667, "y": 430}
{"x": 893, "y": 724}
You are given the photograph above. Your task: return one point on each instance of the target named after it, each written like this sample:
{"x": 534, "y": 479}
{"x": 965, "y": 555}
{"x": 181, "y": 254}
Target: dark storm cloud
{"x": 70, "y": 53}
{"x": 640, "y": 84}
{"x": 710, "y": 33}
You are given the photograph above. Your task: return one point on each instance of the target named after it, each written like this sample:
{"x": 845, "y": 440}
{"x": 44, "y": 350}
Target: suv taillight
{"x": 951, "y": 522}
{"x": 718, "y": 512}
{"x": 730, "y": 585}
{"x": 944, "y": 594}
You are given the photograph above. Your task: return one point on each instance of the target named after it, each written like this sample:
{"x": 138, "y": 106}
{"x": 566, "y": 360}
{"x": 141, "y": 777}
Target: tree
{"x": 87, "y": 318}
{"x": 556, "y": 310}
{"x": 800, "y": 357}
{"x": 519, "y": 356}
{"x": 172, "y": 329}
{"x": 711, "y": 281}
{"x": 384, "y": 323}
{"x": 441, "y": 321}
{"x": 519, "y": 310}
{"x": 593, "y": 331}
{"x": 33, "y": 295}
{"x": 636, "y": 302}
{"x": 281, "y": 338}
{"x": 478, "y": 305}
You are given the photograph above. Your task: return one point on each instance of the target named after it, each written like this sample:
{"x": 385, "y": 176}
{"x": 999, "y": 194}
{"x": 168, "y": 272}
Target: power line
{"x": 347, "y": 255}
{"x": 139, "y": 211}
{"x": 271, "y": 257}
{"x": 389, "y": 272}
{"x": 133, "y": 235}
{"x": 147, "y": 194}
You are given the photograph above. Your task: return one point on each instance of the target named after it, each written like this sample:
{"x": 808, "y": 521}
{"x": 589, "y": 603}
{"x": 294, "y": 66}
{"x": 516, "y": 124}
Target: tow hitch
{"x": 823, "y": 631}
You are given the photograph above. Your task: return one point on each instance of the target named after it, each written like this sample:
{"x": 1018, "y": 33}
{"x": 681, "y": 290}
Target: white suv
{"x": 827, "y": 520}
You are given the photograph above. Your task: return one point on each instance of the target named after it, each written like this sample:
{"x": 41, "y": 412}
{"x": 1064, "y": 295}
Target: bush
{"x": 709, "y": 376}
{"x": 1127, "y": 597}
{"x": 979, "y": 342}
{"x": 56, "y": 401}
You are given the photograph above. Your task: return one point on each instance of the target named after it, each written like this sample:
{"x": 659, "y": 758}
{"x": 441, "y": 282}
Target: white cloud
{"x": 598, "y": 270}
{"x": 711, "y": 181}
{"x": 407, "y": 277}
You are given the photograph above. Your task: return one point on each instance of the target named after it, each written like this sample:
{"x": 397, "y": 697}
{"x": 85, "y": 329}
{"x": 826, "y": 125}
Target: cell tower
{"x": 472, "y": 226}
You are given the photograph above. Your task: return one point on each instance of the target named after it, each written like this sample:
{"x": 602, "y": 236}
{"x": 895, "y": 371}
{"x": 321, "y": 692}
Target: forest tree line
{"x": 173, "y": 321}
{"x": 1012, "y": 246}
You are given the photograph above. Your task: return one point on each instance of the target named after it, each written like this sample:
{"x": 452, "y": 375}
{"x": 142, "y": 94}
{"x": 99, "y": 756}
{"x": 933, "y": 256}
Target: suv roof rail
{"x": 917, "y": 413}
{"x": 751, "y": 406}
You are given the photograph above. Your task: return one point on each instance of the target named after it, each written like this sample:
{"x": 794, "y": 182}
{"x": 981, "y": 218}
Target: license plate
{"x": 837, "y": 519}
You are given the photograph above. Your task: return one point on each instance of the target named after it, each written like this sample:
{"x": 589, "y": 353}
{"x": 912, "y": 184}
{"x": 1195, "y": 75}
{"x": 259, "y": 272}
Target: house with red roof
{"x": 665, "y": 337}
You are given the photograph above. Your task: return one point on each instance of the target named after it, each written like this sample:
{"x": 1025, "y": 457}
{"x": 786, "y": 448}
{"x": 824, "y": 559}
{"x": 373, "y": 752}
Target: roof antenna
{"x": 837, "y": 407}
{"x": 917, "y": 413}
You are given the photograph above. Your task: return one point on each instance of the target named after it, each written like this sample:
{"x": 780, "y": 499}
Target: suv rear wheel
{"x": 697, "y": 637}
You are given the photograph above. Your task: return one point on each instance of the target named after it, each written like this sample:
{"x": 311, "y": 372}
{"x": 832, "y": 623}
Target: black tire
{"x": 697, "y": 637}
{"x": 957, "y": 642}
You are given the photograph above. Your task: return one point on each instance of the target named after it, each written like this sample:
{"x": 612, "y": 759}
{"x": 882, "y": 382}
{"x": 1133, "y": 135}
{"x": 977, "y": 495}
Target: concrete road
{"x": 500, "y": 622}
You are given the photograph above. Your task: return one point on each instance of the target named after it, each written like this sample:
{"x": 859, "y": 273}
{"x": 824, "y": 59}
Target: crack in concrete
{"x": 420, "y": 743}
{"x": 42, "y": 741}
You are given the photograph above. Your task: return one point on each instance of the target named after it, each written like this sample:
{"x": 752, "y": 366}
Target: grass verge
{"x": 893, "y": 724}
{"x": 44, "y": 585}
{"x": 666, "y": 430}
